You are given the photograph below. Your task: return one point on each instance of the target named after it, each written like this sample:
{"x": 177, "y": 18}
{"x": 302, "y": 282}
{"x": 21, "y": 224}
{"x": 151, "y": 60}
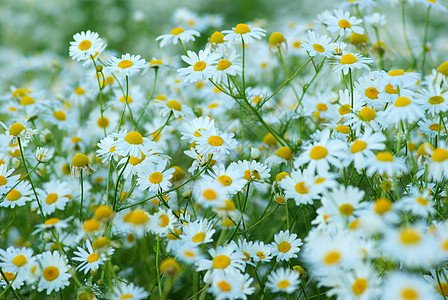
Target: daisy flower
{"x": 90, "y": 260}
{"x": 253, "y": 171}
{"x": 132, "y": 144}
{"x": 342, "y": 23}
{"x": 86, "y": 44}
{"x": 18, "y": 130}
{"x": 56, "y": 195}
{"x": 15, "y": 279}
{"x": 362, "y": 148}
{"x": 134, "y": 221}
{"x": 55, "y": 275}
{"x": 209, "y": 194}
{"x": 403, "y": 109}
{"x": 432, "y": 99}
{"x": 285, "y": 245}
{"x": 155, "y": 177}
{"x": 18, "y": 196}
{"x": 214, "y": 141}
{"x": 188, "y": 253}
{"x": 6, "y": 180}
{"x": 231, "y": 178}
{"x": 431, "y": 127}
{"x": 127, "y": 65}
{"x": 263, "y": 252}
{"x": 224, "y": 259}
{"x": 245, "y": 33}
{"x": 178, "y": 109}
{"x": 320, "y": 155}
{"x": 317, "y": 44}
{"x": 371, "y": 91}
{"x": 385, "y": 163}
{"x": 300, "y": 187}
{"x": 352, "y": 61}
{"x": 232, "y": 286}
{"x": 438, "y": 164}
{"x": 283, "y": 280}
{"x": 198, "y": 232}
{"x": 282, "y": 155}
{"x": 401, "y": 286}
{"x": 193, "y": 129}
{"x": 130, "y": 291}
{"x": 43, "y": 155}
{"x": 417, "y": 203}
{"x": 201, "y": 67}
{"x": 398, "y": 77}
{"x": 107, "y": 149}
{"x": 162, "y": 222}
{"x": 228, "y": 65}
{"x": 15, "y": 259}
{"x": 342, "y": 202}
{"x": 176, "y": 35}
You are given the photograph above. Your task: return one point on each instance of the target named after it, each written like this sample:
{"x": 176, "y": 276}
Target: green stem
{"x": 9, "y": 284}
{"x": 244, "y": 60}
{"x": 425, "y": 39}
{"x": 149, "y": 98}
{"x": 159, "y": 282}
{"x": 82, "y": 197}
{"x": 126, "y": 100}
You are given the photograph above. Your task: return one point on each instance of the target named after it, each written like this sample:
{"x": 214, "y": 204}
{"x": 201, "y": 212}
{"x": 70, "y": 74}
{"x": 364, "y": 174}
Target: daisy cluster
{"x": 301, "y": 163}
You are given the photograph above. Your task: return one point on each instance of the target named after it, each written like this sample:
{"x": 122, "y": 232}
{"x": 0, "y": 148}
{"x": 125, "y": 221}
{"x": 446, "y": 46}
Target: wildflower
{"x": 343, "y": 23}
{"x": 80, "y": 162}
{"x": 54, "y": 195}
{"x": 385, "y": 163}
{"x": 90, "y": 260}
{"x": 18, "y": 196}
{"x": 122, "y": 290}
{"x": 362, "y": 148}
{"x": 55, "y": 274}
{"x": 283, "y": 280}
{"x": 300, "y": 187}
{"x": 154, "y": 177}
{"x": 132, "y": 144}
{"x": 403, "y": 109}
{"x": 352, "y": 61}
{"x": 18, "y": 130}
{"x": 213, "y": 142}
{"x": 317, "y": 44}
{"x": 16, "y": 259}
{"x": 175, "y": 107}
{"x": 127, "y": 65}
{"x": 176, "y": 35}
{"x": 86, "y": 44}
{"x": 402, "y": 286}
{"x": 198, "y": 232}
{"x": 285, "y": 245}
{"x": 43, "y": 155}
{"x": 228, "y": 65}
{"x": 201, "y": 66}
{"x": 245, "y": 33}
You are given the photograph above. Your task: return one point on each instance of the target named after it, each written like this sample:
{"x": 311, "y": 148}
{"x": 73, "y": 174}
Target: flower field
{"x": 224, "y": 149}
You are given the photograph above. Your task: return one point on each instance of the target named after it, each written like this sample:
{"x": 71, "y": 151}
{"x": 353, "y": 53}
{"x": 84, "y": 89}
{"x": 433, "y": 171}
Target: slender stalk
{"x": 82, "y": 196}
{"x": 149, "y": 98}
{"x": 101, "y": 94}
{"x": 425, "y": 40}
{"x": 126, "y": 102}
{"x": 403, "y": 23}
{"x": 244, "y": 62}
{"x": 9, "y": 284}
{"x": 159, "y": 281}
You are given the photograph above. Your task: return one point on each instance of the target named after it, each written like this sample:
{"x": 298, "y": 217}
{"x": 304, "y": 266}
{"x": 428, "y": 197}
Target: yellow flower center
{"x": 102, "y": 123}
{"x": 27, "y": 100}
{"x": 283, "y": 284}
{"x": 422, "y": 201}
{"x": 199, "y": 237}
{"x": 138, "y": 217}
{"x": 124, "y": 64}
{"x": 85, "y": 45}
{"x": 93, "y": 257}
{"x": 359, "y": 286}
{"x": 80, "y": 160}
{"x": 390, "y": 89}
{"x": 318, "y": 48}
{"x": 91, "y": 225}
{"x": 344, "y": 24}
{"x": 384, "y": 156}
{"x": 164, "y": 220}
{"x": 175, "y": 105}
{"x": 358, "y": 146}
{"x": 367, "y": 114}
{"x": 51, "y": 221}
{"x": 224, "y": 286}
{"x": 217, "y": 38}
{"x": 76, "y": 139}
{"x": 343, "y": 129}
{"x": 210, "y": 194}
{"x": 409, "y": 236}
{"x": 215, "y": 141}
{"x": 382, "y": 206}
{"x": 440, "y": 155}
{"x": 348, "y": 59}
{"x": 332, "y": 257}
{"x": 223, "y": 64}
{"x": 261, "y": 255}
{"x": 276, "y": 39}
{"x": 280, "y": 176}
{"x": 19, "y": 260}
{"x": 321, "y": 107}
{"x": 443, "y": 69}
{"x": 16, "y": 129}
{"x": 60, "y": 115}
{"x": 301, "y": 188}
{"x": 51, "y": 198}
{"x": 409, "y": 294}
{"x": 284, "y": 152}
{"x": 318, "y": 152}
{"x": 434, "y": 100}
{"x": 3, "y": 180}
{"x": 123, "y": 99}
{"x": 156, "y": 178}
{"x": 402, "y": 102}
{"x": 397, "y": 72}
{"x": 346, "y": 209}
{"x": 344, "y": 109}
{"x": 284, "y": 247}
{"x": 134, "y": 138}
{"x": 225, "y": 180}
{"x": 177, "y": 31}
{"x": 135, "y": 161}
{"x": 242, "y": 28}
{"x": 371, "y": 93}
{"x": 155, "y": 62}
{"x": 221, "y": 262}
{"x": 442, "y": 288}
{"x": 51, "y": 273}
{"x": 13, "y": 195}
{"x": 127, "y": 296}
{"x": 199, "y": 66}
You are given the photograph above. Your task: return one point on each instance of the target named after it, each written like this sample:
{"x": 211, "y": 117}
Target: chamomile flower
{"x": 230, "y": 178}
{"x": 201, "y": 67}
{"x": 214, "y": 141}
{"x": 18, "y": 196}
{"x": 90, "y": 260}
{"x": 6, "y": 180}
{"x": 193, "y": 129}
{"x": 18, "y": 130}
{"x": 228, "y": 65}
{"x": 431, "y": 127}
{"x": 188, "y": 253}
{"x": 227, "y": 286}
{"x": 317, "y": 44}
{"x": 243, "y": 32}
{"x": 55, "y": 223}
{"x": 285, "y": 245}
{"x": 54, "y": 195}
{"x": 351, "y": 61}
{"x": 371, "y": 91}
{"x": 282, "y": 155}
{"x": 132, "y": 144}
{"x": 174, "y": 107}
{"x": 398, "y": 77}
{"x": 283, "y": 280}
{"x": 438, "y": 164}
{"x": 209, "y": 194}
{"x": 253, "y": 171}
{"x": 198, "y": 232}
{"x": 162, "y": 222}
{"x": 300, "y": 187}
{"x": 342, "y": 202}
{"x": 343, "y": 23}
{"x": 417, "y": 203}
{"x": 402, "y": 286}
{"x": 16, "y": 259}
{"x": 107, "y": 149}
{"x": 86, "y": 44}
{"x": 130, "y": 291}
{"x": 263, "y": 252}
{"x": 385, "y": 163}
{"x": 176, "y": 35}
{"x": 403, "y": 109}
{"x": 155, "y": 177}
{"x": 127, "y": 65}
{"x": 432, "y": 99}
{"x": 55, "y": 275}
{"x": 133, "y": 221}
{"x": 362, "y": 148}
